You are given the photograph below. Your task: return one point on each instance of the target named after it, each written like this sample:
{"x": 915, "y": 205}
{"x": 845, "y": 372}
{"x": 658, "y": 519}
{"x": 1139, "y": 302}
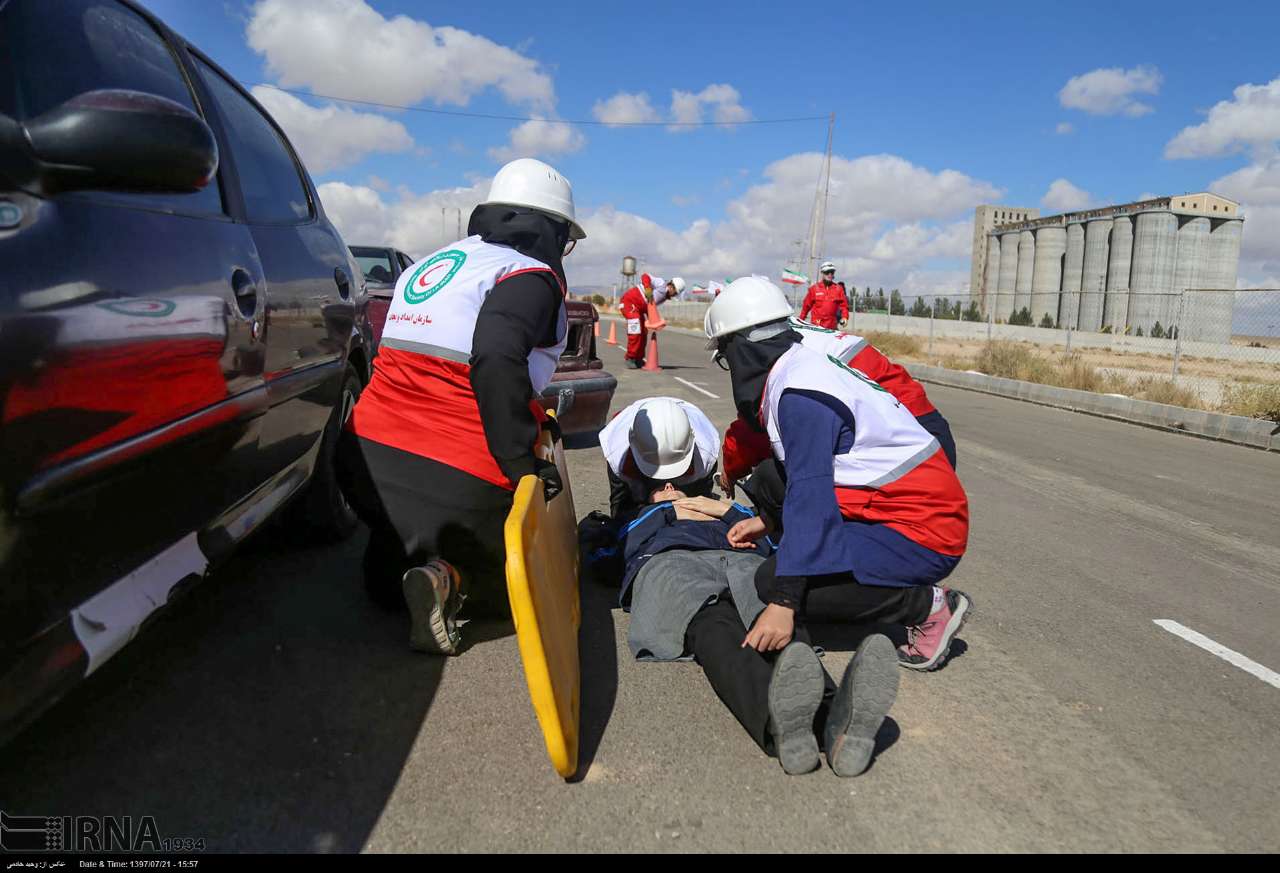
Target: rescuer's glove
{"x": 549, "y": 473}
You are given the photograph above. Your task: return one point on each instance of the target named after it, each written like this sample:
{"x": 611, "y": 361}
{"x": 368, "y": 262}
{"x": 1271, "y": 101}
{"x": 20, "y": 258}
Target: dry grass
{"x": 894, "y": 345}
{"x": 1253, "y": 401}
{"x": 1164, "y": 391}
{"x": 1020, "y": 361}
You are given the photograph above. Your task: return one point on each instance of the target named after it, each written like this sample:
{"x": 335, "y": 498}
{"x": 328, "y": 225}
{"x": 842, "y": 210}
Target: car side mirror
{"x": 111, "y": 140}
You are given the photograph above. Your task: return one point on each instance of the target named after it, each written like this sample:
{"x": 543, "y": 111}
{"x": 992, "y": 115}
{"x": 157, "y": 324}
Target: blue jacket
{"x": 656, "y": 530}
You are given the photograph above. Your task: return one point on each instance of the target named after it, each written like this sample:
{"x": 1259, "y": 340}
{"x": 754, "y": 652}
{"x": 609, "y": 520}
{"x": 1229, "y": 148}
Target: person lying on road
{"x": 692, "y": 594}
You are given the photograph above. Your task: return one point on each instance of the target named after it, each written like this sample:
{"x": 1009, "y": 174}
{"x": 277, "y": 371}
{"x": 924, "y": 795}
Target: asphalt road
{"x": 275, "y": 709}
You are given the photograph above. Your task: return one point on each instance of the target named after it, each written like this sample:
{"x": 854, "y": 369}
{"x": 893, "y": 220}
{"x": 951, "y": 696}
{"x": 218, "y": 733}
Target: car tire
{"x": 322, "y": 511}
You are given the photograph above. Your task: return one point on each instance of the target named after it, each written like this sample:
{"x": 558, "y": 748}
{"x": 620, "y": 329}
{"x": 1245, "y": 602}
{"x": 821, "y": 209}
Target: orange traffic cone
{"x": 651, "y": 357}
{"x": 613, "y": 333}
{"x": 653, "y": 320}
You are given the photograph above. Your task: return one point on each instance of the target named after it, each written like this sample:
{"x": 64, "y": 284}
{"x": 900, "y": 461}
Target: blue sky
{"x": 974, "y": 89}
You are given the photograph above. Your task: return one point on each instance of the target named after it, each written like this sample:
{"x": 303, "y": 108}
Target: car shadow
{"x": 583, "y": 440}
{"x": 272, "y": 707}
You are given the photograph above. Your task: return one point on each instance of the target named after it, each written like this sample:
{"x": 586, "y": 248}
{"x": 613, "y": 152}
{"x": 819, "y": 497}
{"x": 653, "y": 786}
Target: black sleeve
{"x": 621, "y": 502}
{"x": 518, "y": 315}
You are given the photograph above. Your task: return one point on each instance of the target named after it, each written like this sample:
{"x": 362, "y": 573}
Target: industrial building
{"x": 985, "y": 219}
{"x": 1122, "y": 268}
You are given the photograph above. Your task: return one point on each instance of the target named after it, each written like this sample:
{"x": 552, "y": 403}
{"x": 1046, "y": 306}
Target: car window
{"x": 405, "y": 261}
{"x": 270, "y": 179}
{"x": 375, "y": 264}
{"x": 63, "y": 49}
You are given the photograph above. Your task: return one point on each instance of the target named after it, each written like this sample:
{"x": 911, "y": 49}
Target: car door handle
{"x": 246, "y": 294}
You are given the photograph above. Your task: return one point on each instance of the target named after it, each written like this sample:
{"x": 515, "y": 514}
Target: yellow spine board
{"x": 542, "y": 585}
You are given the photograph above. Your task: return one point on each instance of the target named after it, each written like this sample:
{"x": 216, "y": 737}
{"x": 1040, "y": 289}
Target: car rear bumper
{"x": 580, "y": 399}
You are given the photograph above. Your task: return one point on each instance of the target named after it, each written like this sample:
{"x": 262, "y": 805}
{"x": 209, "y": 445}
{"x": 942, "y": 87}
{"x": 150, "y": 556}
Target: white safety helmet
{"x": 827, "y": 267}
{"x": 529, "y": 182}
{"x": 744, "y": 303}
{"x": 661, "y": 438}
{"x": 678, "y": 284}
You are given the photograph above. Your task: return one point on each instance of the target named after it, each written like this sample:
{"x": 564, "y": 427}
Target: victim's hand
{"x": 772, "y": 630}
{"x": 705, "y": 505}
{"x": 744, "y": 534}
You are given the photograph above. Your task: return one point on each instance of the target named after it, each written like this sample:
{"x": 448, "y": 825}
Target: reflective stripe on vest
{"x": 438, "y": 300}
{"x": 888, "y": 443}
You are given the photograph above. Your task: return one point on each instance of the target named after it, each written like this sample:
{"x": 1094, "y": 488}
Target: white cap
{"x": 661, "y": 438}
{"x": 678, "y": 284}
{"x": 826, "y": 267}
{"x": 744, "y": 303}
{"x": 529, "y": 182}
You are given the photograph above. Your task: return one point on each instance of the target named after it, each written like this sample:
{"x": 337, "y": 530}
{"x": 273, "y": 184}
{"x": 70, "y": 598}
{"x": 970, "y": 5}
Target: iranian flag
{"x": 791, "y": 277}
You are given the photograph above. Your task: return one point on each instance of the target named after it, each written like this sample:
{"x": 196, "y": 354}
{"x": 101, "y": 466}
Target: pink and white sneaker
{"x": 928, "y": 644}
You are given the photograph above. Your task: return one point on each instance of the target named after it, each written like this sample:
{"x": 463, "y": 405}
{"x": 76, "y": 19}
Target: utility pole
{"x": 818, "y": 218}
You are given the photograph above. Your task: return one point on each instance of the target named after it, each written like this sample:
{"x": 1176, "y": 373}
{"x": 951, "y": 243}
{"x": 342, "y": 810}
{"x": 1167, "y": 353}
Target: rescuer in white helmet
{"x": 660, "y": 448}
{"x": 873, "y": 514}
{"x": 446, "y": 428}
{"x": 672, "y": 290}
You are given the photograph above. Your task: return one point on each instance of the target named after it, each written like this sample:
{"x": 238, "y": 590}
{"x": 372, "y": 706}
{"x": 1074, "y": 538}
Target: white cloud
{"x": 347, "y": 49}
{"x": 1257, "y": 187}
{"x": 330, "y": 137}
{"x": 724, "y": 101}
{"x": 1064, "y": 128}
{"x": 688, "y": 108}
{"x": 888, "y": 222}
{"x": 624, "y": 108}
{"x": 1109, "y": 91}
{"x": 1250, "y": 120}
{"x": 1062, "y": 196}
{"x": 412, "y": 223}
{"x": 540, "y": 138}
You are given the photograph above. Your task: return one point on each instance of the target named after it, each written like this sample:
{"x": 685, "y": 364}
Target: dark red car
{"x": 579, "y": 393}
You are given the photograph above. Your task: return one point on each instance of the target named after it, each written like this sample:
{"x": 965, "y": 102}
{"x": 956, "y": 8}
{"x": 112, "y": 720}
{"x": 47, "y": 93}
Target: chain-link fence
{"x": 1205, "y": 349}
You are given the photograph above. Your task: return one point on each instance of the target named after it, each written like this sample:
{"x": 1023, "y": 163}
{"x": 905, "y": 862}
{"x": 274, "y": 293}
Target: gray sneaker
{"x": 795, "y": 693}
{"x": 434, "y": 594}
{"x": 867, "y": 691}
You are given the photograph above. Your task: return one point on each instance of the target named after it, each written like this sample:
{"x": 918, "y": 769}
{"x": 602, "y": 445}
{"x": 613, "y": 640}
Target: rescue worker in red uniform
{"x": 635, "y": 309}
{"x": 446, "y": 428}
{"x": 826, "y": 304}
{"x": 871, "y": 513}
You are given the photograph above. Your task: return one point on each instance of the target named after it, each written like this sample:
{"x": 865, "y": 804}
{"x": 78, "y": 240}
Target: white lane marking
{"x": 696, "y": 388}
{"x": 1271, "y": 677}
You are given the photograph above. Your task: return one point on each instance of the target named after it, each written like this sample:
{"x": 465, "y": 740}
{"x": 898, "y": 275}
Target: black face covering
{"x": 749, "y": 366}
{"x": 528, "y": 231}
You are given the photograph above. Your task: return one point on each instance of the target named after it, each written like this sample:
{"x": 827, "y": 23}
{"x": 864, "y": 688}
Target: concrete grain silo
{"x": 1121, "y": 267}
{"x": 1093, "y": 279}
{"x": 1116, "y": 312}
{"x": 991, "y": 281}
{"x": 1193, "y": 243}
{"x": 1072, "y": 268}
{"x": 1008, "y": 275}
{"x": 1046, "y": 277}
{"x": 1026, "y": 267}
{"x": 1155, "y": 253}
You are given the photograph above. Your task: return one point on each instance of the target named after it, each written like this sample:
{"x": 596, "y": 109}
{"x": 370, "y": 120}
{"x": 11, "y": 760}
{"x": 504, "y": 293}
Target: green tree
{"x": 1138, "y": 332}
{"x": 896, "y": 306}
{"x": 1157, "y": 331}
{"x": 1047, "y": 321}
{"x": 972, "y": 313}
{"x": 920, "y": 309}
